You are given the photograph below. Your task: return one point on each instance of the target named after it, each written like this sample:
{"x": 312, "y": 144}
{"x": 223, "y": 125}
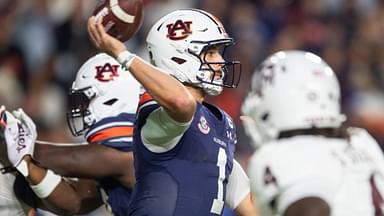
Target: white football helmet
{"x": 177, "y": 41}
{"x": 102, "y": 89}
{"x": 291, "y": 90}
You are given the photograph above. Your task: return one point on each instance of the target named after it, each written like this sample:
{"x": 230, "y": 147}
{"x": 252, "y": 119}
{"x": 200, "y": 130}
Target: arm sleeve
{"x": 237, "y": 187}
{"x": 161, "y": 132}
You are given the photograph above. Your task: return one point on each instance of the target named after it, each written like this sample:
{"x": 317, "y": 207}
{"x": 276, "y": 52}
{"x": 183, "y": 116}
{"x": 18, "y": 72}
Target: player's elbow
{"x": 183, "y": 108}
{"x": 185, "y": 104}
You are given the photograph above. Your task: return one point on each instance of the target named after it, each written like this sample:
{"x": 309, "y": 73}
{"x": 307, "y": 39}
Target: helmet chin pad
{"x": 79, "y": 117}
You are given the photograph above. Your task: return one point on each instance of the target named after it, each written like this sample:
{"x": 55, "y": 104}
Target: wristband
{"x": 47, "y": 185}
{"x": 23, "y": 168}
{"x": 125, "y": 58}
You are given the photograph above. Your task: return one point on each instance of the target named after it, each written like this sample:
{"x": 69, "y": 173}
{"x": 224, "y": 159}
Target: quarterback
{"x": 183, "y": 146}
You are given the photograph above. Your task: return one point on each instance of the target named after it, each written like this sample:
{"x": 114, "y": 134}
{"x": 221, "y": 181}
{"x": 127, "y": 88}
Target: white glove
{"x": 19, "y": 133}
{"x": 25, "y": 119}
{"x": 251, "y": 127}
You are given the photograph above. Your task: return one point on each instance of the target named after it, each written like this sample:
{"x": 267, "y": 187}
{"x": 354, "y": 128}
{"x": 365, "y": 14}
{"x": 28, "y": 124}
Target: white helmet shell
{"x": 176, "y": 42}
{"x": 291, "y": 90}
{"x": 102, "y": 88}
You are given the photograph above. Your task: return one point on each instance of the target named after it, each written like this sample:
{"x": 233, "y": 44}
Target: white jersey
{"x": 9, "y": 205}
{"x": 348, "y": 175}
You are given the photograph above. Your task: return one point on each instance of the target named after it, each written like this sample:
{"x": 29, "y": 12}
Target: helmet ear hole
{"x": 178, "y": 60}
{"x": 110, "y": 102}
{"x": 265, "y": 116}
{"x": 151, "y": 58}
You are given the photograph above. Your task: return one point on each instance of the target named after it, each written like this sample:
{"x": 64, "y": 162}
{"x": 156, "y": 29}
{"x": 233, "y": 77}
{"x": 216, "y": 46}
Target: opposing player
{"x": 103, "y": 103}
{"x": 184, "y": 146}
{"x": 307, "y": 162}
{"x": 9, "y": 204}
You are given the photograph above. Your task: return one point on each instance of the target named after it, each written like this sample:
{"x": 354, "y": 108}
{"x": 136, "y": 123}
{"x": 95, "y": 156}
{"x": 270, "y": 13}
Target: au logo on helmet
{"x": 179, "y": 30}
{"x": 106, "y": 72}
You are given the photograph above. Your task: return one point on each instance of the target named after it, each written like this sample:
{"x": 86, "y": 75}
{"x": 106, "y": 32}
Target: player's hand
{"x": 25, "y": 119}
{"x": 249, "y": 124}
{"x": 102, "y": 40}
{"x": 19, "y": 134}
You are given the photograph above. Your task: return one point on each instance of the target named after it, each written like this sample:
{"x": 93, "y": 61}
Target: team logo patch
{"x": 179, "y": 30}
{"x": 106, "y": 72}
{"x": 203, "y": 125}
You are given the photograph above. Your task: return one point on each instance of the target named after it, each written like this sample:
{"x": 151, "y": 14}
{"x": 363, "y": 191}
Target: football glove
{"x": 19, "y": 133}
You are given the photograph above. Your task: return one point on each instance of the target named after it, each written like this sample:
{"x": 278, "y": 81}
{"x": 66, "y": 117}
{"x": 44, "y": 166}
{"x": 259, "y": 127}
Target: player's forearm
{"x": 50, "y": 189}
{"x": 83, "y": 197}
{"x": 166, "y": 90}
{"x": 68, "y": 204}
{"x": 247, "y": 207}
{"x": 86, "y": 161}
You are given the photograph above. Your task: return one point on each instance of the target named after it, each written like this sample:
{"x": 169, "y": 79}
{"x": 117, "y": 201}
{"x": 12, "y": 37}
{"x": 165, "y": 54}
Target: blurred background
{"x": 44, "y": 42}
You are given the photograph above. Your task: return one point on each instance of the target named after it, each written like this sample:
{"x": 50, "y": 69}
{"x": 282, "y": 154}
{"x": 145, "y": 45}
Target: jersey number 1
{"x": 218, "y": 203}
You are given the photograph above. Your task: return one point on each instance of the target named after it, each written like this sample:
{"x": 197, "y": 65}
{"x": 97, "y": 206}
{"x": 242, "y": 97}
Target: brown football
{"x": 121, "y": 18}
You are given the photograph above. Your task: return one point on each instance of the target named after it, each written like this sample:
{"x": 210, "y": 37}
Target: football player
{"x": 103, "y": 103}
{"x": 184, "y": 147}
{"x": 9, "y": 204}
{"x": 307, "y": 161}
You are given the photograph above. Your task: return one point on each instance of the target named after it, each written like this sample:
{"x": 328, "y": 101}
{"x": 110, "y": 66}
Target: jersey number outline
{"x": 218, "y": 202}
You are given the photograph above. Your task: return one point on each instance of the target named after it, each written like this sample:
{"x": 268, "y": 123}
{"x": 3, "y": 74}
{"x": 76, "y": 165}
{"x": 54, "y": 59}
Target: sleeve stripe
{"x": 126, "y": 131}
{"x": 106, "y": 126}
{"x": 145, "y": 98}
{"x": 149, "y": 103}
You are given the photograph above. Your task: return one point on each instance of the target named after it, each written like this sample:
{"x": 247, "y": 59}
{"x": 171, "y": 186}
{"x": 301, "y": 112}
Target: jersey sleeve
{"x": 146, "y": 105}
{"x": 282, "y": 176}
{"x": 115, "y": 132}
{"x": 162, "y": 131}
{"x": 361, "y": 138}
{"x": 237, "y": 187}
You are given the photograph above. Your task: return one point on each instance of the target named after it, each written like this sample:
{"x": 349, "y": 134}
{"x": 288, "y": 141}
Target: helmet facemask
{"x": 211, "y": 79}
{"x": 79, "y": 117}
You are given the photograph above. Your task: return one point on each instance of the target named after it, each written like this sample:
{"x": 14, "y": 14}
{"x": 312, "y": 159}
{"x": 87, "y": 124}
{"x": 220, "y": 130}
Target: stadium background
{"x": 43, "y": 43}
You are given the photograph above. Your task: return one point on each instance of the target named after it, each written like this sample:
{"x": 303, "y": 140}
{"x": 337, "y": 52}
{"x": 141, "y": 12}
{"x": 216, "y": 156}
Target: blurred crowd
{"x": 43, "y": 43}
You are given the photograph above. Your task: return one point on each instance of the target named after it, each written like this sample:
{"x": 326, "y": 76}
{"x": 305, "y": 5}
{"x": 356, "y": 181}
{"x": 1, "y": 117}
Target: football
{"x": 121, "y": 18}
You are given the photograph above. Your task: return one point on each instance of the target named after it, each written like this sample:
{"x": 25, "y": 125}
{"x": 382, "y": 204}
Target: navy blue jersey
{"x": 191, "y": 178}
{"x": 115, "y": 132}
